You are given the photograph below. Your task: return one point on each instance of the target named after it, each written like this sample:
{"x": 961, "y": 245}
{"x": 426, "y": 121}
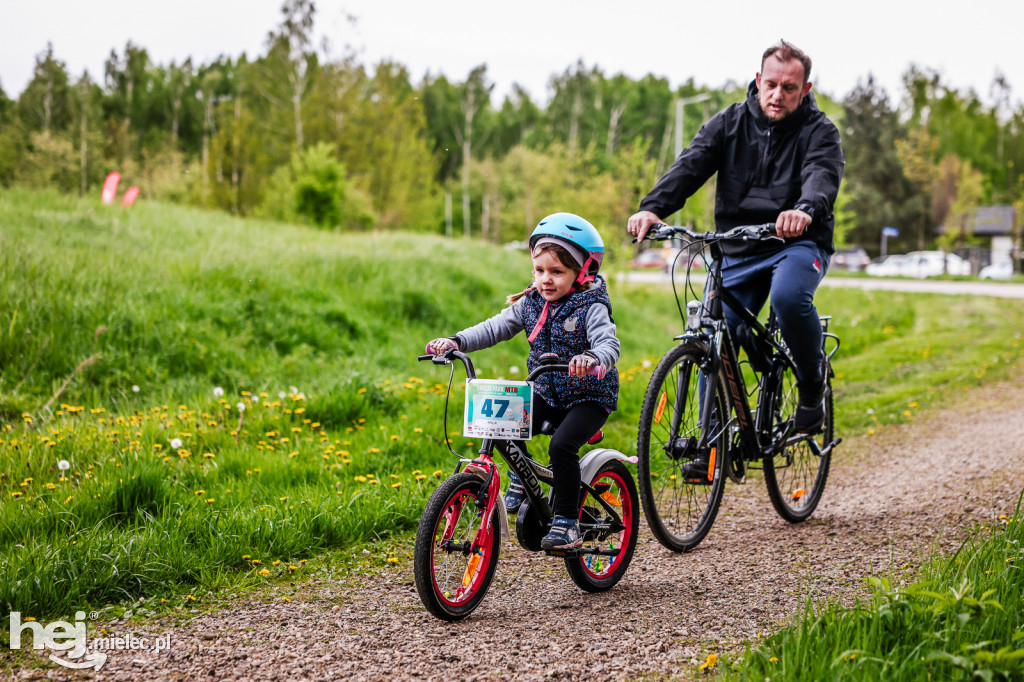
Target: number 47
{"x": 487, "y": 409}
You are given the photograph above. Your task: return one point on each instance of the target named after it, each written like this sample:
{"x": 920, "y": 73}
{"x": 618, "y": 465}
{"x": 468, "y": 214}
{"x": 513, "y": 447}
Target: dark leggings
{"x": 573, "y": 428}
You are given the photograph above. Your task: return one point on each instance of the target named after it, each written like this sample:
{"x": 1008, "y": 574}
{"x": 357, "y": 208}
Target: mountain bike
{"x": 697, "y": 407}
{"x": 459, "y": 535}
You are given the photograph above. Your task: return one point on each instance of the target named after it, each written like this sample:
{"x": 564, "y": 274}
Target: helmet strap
{"x": 584, "y": 277}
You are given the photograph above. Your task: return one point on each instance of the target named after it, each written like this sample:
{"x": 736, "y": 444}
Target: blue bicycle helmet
{"x": 580, "y": 234}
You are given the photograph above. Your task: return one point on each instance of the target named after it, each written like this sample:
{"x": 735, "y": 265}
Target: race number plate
{"x": 498, "y": 409}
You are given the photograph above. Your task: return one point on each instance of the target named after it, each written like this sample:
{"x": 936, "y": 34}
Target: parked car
{"x": 890, "y": 266}
{"x": 923, "y": 264}
{"x": 651, "y": 258}
{"x": 853, "y": 259}
{"x": 1001, "y": 270}
{"x": 920, "y": 264}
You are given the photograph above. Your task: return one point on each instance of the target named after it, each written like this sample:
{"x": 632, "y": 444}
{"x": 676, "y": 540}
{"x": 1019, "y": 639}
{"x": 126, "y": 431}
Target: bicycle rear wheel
{"x": 452, "y": 570}
{"x": 680, "y": 513}
{"x": 599, "y": 572}
{"x": 796, "y": 477}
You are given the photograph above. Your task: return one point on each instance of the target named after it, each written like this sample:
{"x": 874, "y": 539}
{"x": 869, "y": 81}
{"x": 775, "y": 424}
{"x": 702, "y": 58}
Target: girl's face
{"x": 552, "y": 277}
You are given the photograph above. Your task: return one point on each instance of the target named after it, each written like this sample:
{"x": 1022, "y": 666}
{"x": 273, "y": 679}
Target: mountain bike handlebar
{"x": 740, "y": 233}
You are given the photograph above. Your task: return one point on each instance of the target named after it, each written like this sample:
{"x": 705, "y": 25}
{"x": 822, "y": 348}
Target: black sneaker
{"x": 696, "y": 471}
{"x": 564, "y": 534}
{"x": 810, "y": 408}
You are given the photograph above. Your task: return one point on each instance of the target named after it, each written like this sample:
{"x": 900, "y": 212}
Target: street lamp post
{"x": 680, "y": 103}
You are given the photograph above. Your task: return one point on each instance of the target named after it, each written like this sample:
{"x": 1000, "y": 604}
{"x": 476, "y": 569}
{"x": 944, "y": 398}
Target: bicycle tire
{"x": 796, "y": 477}
{"x": 594, "y": 572}
{"x": 452, "y": 582}
{"x": 680, "y": 514}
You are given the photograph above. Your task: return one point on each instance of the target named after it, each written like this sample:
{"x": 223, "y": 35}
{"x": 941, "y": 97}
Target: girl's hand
{"x": 439, "y": 346}
{"x": 583, "y": 365}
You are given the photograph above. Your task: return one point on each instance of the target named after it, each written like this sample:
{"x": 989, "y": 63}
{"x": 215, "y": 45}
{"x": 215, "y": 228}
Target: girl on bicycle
{"x": 566, "y": 311}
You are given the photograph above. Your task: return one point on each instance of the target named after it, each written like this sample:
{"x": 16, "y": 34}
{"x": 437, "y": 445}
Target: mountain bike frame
{"x": 757, "y": 438}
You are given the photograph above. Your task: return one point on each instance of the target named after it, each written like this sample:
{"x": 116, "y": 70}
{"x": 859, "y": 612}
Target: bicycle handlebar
{"x": 598, "y": 370}
{"x": 744, "y": 233}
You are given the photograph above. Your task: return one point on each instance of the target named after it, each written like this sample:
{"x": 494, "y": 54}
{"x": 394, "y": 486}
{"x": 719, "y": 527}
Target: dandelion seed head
{"x": 63, "y": 465}
{"x": 217, "y": 391}
{"x": 135, "y": 388}
{"x": 176, "y": 443}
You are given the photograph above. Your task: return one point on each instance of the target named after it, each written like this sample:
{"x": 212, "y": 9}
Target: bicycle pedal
{"x": 568, "y": 553}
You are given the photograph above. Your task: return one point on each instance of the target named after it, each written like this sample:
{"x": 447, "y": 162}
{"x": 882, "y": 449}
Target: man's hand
{"x": 640, "y": 224}
{"x": 791, "y": 223}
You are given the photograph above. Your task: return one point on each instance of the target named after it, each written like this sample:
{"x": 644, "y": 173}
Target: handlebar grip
{"x": 422, "y": 358}
{"x": 598, "y": 370}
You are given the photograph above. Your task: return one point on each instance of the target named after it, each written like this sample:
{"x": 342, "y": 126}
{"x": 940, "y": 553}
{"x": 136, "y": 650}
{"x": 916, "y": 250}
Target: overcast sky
{"x": 529, "y": 41}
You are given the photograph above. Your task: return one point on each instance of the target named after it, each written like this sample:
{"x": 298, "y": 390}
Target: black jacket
{"x": 763, "y": 168}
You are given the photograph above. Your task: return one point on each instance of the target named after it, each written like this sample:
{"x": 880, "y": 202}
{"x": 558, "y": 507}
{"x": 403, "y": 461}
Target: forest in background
{"x": 297, "y": 134}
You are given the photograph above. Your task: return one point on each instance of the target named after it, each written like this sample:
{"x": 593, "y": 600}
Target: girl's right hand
{"x": 441, "y": 345}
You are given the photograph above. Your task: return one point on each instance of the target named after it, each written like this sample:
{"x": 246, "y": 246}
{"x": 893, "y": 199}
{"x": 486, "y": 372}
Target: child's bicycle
{"x": 697, "y": 409}
{"x": 460, "y": 532}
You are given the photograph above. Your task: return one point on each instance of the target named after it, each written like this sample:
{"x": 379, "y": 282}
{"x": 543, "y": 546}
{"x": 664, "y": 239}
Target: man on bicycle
{"x": 778, "y": 159}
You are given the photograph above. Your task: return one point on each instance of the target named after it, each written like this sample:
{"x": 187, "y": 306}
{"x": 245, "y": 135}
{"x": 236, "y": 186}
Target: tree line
{"x": 299, "y": 134}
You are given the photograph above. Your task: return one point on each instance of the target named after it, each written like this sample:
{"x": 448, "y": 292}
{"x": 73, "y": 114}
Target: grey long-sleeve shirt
{"x": 604, "y": 345}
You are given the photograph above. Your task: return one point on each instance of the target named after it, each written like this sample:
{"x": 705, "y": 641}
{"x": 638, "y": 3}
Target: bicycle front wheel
{"x": 796, "y": 475}
{"x": 679, "y": 508}
{"x": 452, "y": 568}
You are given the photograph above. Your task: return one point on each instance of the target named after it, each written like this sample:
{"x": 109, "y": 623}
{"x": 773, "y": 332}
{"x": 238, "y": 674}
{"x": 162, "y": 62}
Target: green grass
{"x": 963, "y": 619}
{"x": 117, "y": 326}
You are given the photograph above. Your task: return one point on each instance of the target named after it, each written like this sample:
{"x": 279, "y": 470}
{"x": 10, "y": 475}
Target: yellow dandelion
{"x": 396, "y": 485}
{"x": 256, "y": 562}
{"x": 264, "y": 572}
{"x": 285, "y": 599}
{"x": 710, "y": 663}
{"x": 392, "y": 560}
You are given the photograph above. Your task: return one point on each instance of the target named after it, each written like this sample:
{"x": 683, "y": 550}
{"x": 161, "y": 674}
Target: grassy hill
{"x": 231, "y": 393}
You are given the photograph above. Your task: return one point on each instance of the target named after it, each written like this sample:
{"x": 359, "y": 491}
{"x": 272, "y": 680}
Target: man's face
{"x": 781, "y": 87}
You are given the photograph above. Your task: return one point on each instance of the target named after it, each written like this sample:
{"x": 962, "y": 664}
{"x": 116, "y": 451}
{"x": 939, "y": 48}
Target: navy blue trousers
{"x": 790, "y": 277}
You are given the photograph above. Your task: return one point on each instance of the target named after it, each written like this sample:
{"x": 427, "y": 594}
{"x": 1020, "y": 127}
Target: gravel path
{"x": 892, "y": 499}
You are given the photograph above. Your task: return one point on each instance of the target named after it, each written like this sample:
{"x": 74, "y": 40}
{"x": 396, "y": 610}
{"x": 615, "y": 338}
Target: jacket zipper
{"x": 764, "y": 159}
